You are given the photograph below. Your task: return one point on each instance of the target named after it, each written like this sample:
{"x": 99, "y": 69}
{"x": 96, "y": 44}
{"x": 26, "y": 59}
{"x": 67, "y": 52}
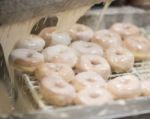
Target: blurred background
{"x": 119, "y": 11}
{"x": 137, "y": 3}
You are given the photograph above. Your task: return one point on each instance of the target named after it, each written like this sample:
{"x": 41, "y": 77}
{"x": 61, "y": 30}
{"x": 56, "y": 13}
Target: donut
{"x": 125, "y": 29}
{"x": 106, "y": 39}
{"x": 94, "y": 63}
{"x": 25, "y": 60}
{"x": 88, "y": 79}
{"x": 81, "y": 32}
{"x": 83, "y": 47}
{"x": 52, "y": 37}
{"x": 139, "y": 46}
{"x": 32, "y": 42}
{"x": 63, "y": 70}
{"x": 46, "y": 34}
{"x": 60, "y": 54}
{"x": 60, "y": 38}
{"x": 124, "y": 87}
{"x": 56, "y": 91}
{"x": 120, "y": 59}
{"x": 145, "y": 87}
{"x": 93, "y": 96}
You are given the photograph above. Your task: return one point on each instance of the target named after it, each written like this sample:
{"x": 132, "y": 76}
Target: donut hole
{"x": 57, "y": 68}
{"x": 62, "y": 51}
{"x": 95, "y": 62}
{"x": 109, "y": 35}
{"x": 119, "y": 53}
{"x": 91, "y": 80}
{"x": 88, "y": 46}
{"x": 94, "y": 95}
{"x": 29, "y": 55}
{"x": 127, "y": 27}
{"x": 60, "y": 85}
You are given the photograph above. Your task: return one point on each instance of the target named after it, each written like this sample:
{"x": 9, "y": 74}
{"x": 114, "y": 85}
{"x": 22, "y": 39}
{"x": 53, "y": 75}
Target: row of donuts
{"x": 117, "y": 45}
{"x": 86, "y": 88}
{"x": 118, "y": 34}
{"x": 82, "y": 55}
{"x": 84, "y": 41}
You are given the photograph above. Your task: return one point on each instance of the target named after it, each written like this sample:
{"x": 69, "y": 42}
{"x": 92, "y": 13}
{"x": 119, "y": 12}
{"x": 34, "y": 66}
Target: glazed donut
{"x": 120, "y": 59}
{"x": 60, "y": 54}
{"x": 63, "y": 70}
{"x": 107, "y": 39}
{"x": 125, "y": 29}
{"x": 145, "y": 87}
{"x": 94, "y": 63}
{"x": 46, "y": 34}
{"x": 83, "y": 47}
{"x": 52, "y": 37}
{"x": 33, "y": 42}
{"x": 56, "y": 91}
{"x": 93, "y": 96}
{"x": 88, "y": 79}
{"x": 60, "y": 38}
{"x": 139, "y": 46}
{"x": 123, "y": 87}
{"x": 81, "y": 32}
{"x": 25, "y": 60}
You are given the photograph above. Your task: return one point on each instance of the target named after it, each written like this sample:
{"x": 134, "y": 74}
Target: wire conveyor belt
{"x": 141, "y": 70}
